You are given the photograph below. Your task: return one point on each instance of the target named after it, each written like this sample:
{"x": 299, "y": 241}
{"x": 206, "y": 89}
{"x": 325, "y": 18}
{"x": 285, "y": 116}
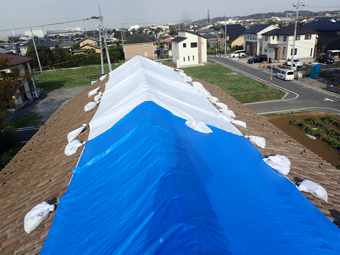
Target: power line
{"x": 46, "y": 25}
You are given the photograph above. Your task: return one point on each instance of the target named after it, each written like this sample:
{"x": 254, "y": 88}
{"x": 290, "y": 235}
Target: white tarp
{"x": 141, "y": 80}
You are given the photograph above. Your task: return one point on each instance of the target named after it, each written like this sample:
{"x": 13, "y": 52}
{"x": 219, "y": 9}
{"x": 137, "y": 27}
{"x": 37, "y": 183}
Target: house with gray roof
{"x": 253, "y": 38}
{"x": 234, "y": 35}
{"x": 278, "y": 43}
{"x": 142, "y": 45}
{"x": 38, "y": 42}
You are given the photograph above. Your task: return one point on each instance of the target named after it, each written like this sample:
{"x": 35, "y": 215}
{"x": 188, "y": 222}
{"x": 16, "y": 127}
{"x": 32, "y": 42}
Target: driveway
{"x": 300, "y": 96}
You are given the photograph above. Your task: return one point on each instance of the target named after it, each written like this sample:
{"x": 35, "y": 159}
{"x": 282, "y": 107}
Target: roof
{"x": 208, "y": 36}
{"x": 39, "y": 42}
{"x": 15, "y": 59}
{"x": 234, "y": 31}
{"x": 88, "y": 38}
{"x": 26, "y": 181}
{"x": 137, "y": 38}
{"x": 256, "y": 28}
{"x": 323, "y": 25}
{"x": 289, "y": 30}
{"x": 4, "y": 51}
{"x": 179, "y": 39}
{"x": 66, "y": 43}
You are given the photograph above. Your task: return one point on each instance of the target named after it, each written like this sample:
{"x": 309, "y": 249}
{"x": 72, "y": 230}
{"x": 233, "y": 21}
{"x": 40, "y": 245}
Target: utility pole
{"x": 36, "y": 51}
{"x": 296, "y": 19}
{"x": 225, "y": 35}
{"x": 106, "y": 48}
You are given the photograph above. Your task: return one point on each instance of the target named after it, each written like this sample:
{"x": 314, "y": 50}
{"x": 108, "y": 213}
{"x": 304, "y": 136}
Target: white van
{"x": 237, "y": 54}
{"x": 285, "y": 74}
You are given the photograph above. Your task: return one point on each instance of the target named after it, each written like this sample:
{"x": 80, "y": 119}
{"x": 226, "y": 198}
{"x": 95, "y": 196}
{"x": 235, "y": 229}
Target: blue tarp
{"x": 152, "y": 185}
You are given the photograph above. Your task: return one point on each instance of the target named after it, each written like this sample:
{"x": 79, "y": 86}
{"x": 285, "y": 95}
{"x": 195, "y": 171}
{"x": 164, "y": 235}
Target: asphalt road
{"x": 299, "y": 96}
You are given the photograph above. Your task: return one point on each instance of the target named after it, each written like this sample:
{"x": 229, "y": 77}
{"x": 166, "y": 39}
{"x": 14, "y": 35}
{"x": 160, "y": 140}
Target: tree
{"x": 45, "y": 55}
{"x": 9, "y": 83}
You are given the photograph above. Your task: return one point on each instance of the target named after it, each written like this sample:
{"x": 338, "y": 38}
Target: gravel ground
{"x": 46, "y": 104}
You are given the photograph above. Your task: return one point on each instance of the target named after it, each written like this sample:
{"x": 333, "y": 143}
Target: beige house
{"x": 27, "y": 92}
{"x": 142, "y": 45}
{"x": 234, "y": 36}
{"x": 87, "y": 44}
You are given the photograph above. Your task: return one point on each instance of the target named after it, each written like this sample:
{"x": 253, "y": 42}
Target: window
{"x": 297, "y": 37}
{"x": 193, "y": 57}
{"x": 285, "y": 38}
{"x": 184, "y": 45}
{"x": 295, "y": 51}
{"x": 273, "y": 37}
{"x": 194, "y": 45}
{"x": 311, "y": 52}
{"x": 265, "y": 50}
{"x": 183, "y": 59}
{"x": 145, "y": 54}
{"x": 188, "y": 58}
{"x": 308, "y": 37}
{"x": 266, "y": 38}
{"x": 144, "y": 45}
{"x": 278, "y": 38}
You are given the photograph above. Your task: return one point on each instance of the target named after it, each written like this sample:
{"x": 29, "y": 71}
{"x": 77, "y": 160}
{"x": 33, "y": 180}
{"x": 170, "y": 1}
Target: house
{"x": 189, "y": 49}
{"x": 87, "y": 44}
{"x": 38, "y": 42}
{"x": 28, "y": 91}
{"x": 66, "y": 44}
{"x": 234, "y": 35}
{"x": 213, "y": 40}
{"x": 278, "y": 43}
{"x": 142, "y": 45}
{"x": 328, "y": 34}
{"x": 253, "y": 38}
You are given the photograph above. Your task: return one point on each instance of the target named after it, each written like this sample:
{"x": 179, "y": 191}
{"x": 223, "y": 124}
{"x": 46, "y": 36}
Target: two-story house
{"x": 189, "y": 49}
{"x": 253, "y": 38}
{"x": 142, "y": 45}
{"x": 27, "y": 91}
{"x": 38, "y": 42}
{"x": 278, "y": 43}
{"x": 234, "y": 35}
{"x": 87, "y": 44}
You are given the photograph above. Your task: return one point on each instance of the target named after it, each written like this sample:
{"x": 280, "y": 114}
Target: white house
{"x": 278, "y": 43}
{"x": 189, "y": 49}
{"x": 253, "y": 38}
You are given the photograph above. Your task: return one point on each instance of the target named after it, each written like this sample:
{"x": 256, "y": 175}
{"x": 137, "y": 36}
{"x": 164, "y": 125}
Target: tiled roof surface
{"x": 289, "y": 30}
{"x": 137, "y": 38}
{"x": 41, "y": 171}
{"x": 15, "y": 59}
{"x": 256, "y": 28}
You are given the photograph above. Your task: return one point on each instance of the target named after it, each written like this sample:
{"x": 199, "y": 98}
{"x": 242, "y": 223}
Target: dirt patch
{"x": 319, "y": 147}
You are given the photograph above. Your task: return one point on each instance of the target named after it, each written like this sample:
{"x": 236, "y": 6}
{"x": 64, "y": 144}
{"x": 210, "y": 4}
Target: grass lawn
{"x": 243, "y": 88}
{"x": 70, "y": 77}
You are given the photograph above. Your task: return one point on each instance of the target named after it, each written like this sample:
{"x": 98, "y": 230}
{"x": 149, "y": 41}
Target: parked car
{"x": 263, "y": 57}
{"x": 325, "y": 59}
{"x": 296, "y": 63}
{"x": 237, "y": 54}
{"x": 255, "y": 59}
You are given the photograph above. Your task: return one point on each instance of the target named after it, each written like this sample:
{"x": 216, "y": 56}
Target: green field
{"x": 243, "y": 88}
{"x": 70, "y": 77}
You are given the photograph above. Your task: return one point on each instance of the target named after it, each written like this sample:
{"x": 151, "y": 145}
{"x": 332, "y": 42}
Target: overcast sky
{"x": 22, "y": 13}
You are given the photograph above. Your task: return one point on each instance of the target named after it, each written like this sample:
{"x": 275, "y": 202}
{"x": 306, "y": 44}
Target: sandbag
{"x": 73, "y": 134}
{"x": 224, "y": 116}
{"x": 279, "y": 163}
{"x": 72, "y": 147}
{"x": 93, "y": 92}
{"x": 213, "y": 100}
{"x": 239, "y": 123}
{"x": 198, "y": 126}
{"x": 103, "y": 77}
{"x": 197, "y": 84}
{"x": 259, "y": 141}
{"x": 313, "y": 188}
{"x": 88, "y": 107}
{"x": 204, "y": 91}
{"x": 222, "y": 105}
{"x": 229, "y": 112}
{"x": 36, "y": 215}
{"x": 98, "y": 97}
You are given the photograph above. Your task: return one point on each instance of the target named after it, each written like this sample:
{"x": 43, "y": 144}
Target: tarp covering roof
{"x": 149, "y": 184}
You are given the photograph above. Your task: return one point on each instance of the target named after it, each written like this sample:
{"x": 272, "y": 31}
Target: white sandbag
{"x": 197, "y": 84}
{"x": 198, "y": 126}
{"x": 222, "y": 105}
{"x": 224, "y": 116}
{"x": 36, "y": 215}
{"x": 93, "y": 92}
{"x": 72, "y": 147}
{"x": 279, "y": 163}
{"x": 204, "y": 91}
{"x": 239, "y": 123}
{"x": 187, "y": 78}
{"x": 228, "y": 112}
{"x": 93, "y": 82}
{"x": 98, "y": 97}
{"x": 213, "y": 100}
{"x": 103, "y": 77}
{"x": 315, "y": 189}
{"x": 73, "y": 134}
{"x": 179, "y": 70}
{"x": 259, "y": 141}
{"x": 88, "y": 107}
